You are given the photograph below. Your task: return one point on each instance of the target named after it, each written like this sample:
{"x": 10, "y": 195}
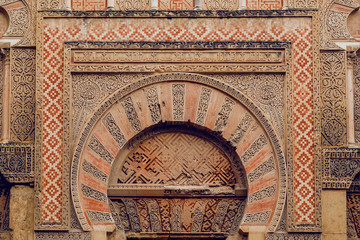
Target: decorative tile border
{"x": 301, "y": 58}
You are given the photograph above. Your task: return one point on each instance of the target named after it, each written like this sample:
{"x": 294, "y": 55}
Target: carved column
{"x": 351, "y": 55}
{"x": 6, "y": 96}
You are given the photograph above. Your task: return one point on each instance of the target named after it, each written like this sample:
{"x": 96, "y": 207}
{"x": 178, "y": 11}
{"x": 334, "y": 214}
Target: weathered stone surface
{"x": 22, "y": 212}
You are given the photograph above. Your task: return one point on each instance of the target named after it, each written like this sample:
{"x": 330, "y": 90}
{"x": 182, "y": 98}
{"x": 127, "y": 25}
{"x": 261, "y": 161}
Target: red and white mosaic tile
{"x": 296, "y": 30}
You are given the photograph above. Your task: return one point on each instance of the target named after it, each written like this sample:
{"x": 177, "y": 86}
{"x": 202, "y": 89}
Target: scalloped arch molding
{"x": 178, "y": 97}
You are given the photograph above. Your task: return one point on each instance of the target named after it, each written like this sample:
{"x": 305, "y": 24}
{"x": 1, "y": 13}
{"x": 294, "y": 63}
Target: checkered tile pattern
{"x": 255, "y": 29}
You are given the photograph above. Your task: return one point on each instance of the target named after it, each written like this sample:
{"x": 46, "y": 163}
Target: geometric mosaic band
{"x": 58, "y": 31}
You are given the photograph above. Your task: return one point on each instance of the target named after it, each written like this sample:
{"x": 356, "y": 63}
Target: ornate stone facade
{"x": 179, "y": 119}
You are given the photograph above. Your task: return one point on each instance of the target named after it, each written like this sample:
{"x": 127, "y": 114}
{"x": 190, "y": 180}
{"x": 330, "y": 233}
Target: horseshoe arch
{"x": 178, "y": 97}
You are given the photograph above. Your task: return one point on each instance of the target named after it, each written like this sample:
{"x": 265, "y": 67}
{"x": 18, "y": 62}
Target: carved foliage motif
{"x": 165, "y": 81}
{"x": 340, "y": 167}
{"x": 336, "y": 24}
{"x": 176, "y": 159}
{"x": 132, "y": 5}
{"x": 293, "y": 236}
{"x": 16, "y": 162}
{"x": 333, "y": 112}
{"x": 19, "y": 22}
{"x": 131, "y": 114}
{"x": 305, "y": 4}
{"x": 91, "y": 89}
{"x": 264, "y": 89}
{"x": 357, "y": 97}
{"x": 63, "y": 235}
{"x": 223, "y": 115}
{"x": 353, "y": 215}
{"x": 114, "y": 130}
{"x": 178, "y": 92}
{"x": 22, "y": 115}
{"x": 4, "y": 210}
{"x": 2, "y": 62}
{"x": 154, "y": 105}
{"x": 203, "y": 106}
{"x": 49, "y": 4}
{"x": 170, "y": 215}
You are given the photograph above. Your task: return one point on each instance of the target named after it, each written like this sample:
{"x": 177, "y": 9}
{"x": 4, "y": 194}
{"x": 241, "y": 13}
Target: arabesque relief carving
{"x": 132, "y": 5}
{"x": 356, "y": 80}
{"x": 22, "y": 113}
{"x": 333, "y": 119}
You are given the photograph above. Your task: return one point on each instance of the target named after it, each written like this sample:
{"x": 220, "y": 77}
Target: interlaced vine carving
{"x": 333, "y": 119}
{"x": 132, "y": 5}
{"x": 22, "y": 115}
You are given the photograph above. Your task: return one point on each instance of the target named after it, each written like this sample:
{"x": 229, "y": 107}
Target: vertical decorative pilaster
{"x": 333, "y": 99}
{"x": 6, "y": 96}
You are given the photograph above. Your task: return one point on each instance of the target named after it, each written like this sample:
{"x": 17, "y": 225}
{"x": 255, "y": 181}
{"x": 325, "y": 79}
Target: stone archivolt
{"x": 105, "y": 147}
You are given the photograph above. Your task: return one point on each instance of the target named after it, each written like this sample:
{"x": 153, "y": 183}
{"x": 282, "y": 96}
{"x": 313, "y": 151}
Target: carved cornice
{"x": 180, "y": 14}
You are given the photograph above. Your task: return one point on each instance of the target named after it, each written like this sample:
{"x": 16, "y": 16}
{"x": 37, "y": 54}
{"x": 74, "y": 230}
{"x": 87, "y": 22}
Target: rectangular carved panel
{"x": 333, "y": 97}
{"x": 88, "y": 5}
{"x": 22, "y": 110}
{"x": 264, "y": 4}
{"x": 168, "y": 56}
{"x": 176, "y": 4}
{"x": 2, "y": 62}
{"x": 17, "y": 162}
{"x": 357, "y": 98}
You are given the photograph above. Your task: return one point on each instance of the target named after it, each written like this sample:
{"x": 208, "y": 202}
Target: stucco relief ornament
{"x": 221, "y": 4}
{"x": 132, "y": 5}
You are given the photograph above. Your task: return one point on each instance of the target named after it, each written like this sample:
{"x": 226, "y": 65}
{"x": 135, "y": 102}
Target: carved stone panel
{"x": 340, "y": 166}
{"x": 169, "y": 215}
{"x": 4, "y": 210}
{"x": 17, "y": 162}
{"x": 333, "y": 94}
{"x": 2, "y": 78}
{"x": 264, "y": 5}
{"x": 177, "y": 159}
{"x": 88, "y": 5}
{"x": 353, "y": 209}
{"x": 176, "y": 4}
{"x": 221, "y": 5}
{"x": 357, "y": 97}
{"x": 89, "y": 90}
{"x": 22, "y": 112}
{"x": 132, "y": 5}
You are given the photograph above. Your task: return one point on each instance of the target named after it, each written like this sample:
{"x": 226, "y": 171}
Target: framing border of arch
{"x": 186, "y": 77}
